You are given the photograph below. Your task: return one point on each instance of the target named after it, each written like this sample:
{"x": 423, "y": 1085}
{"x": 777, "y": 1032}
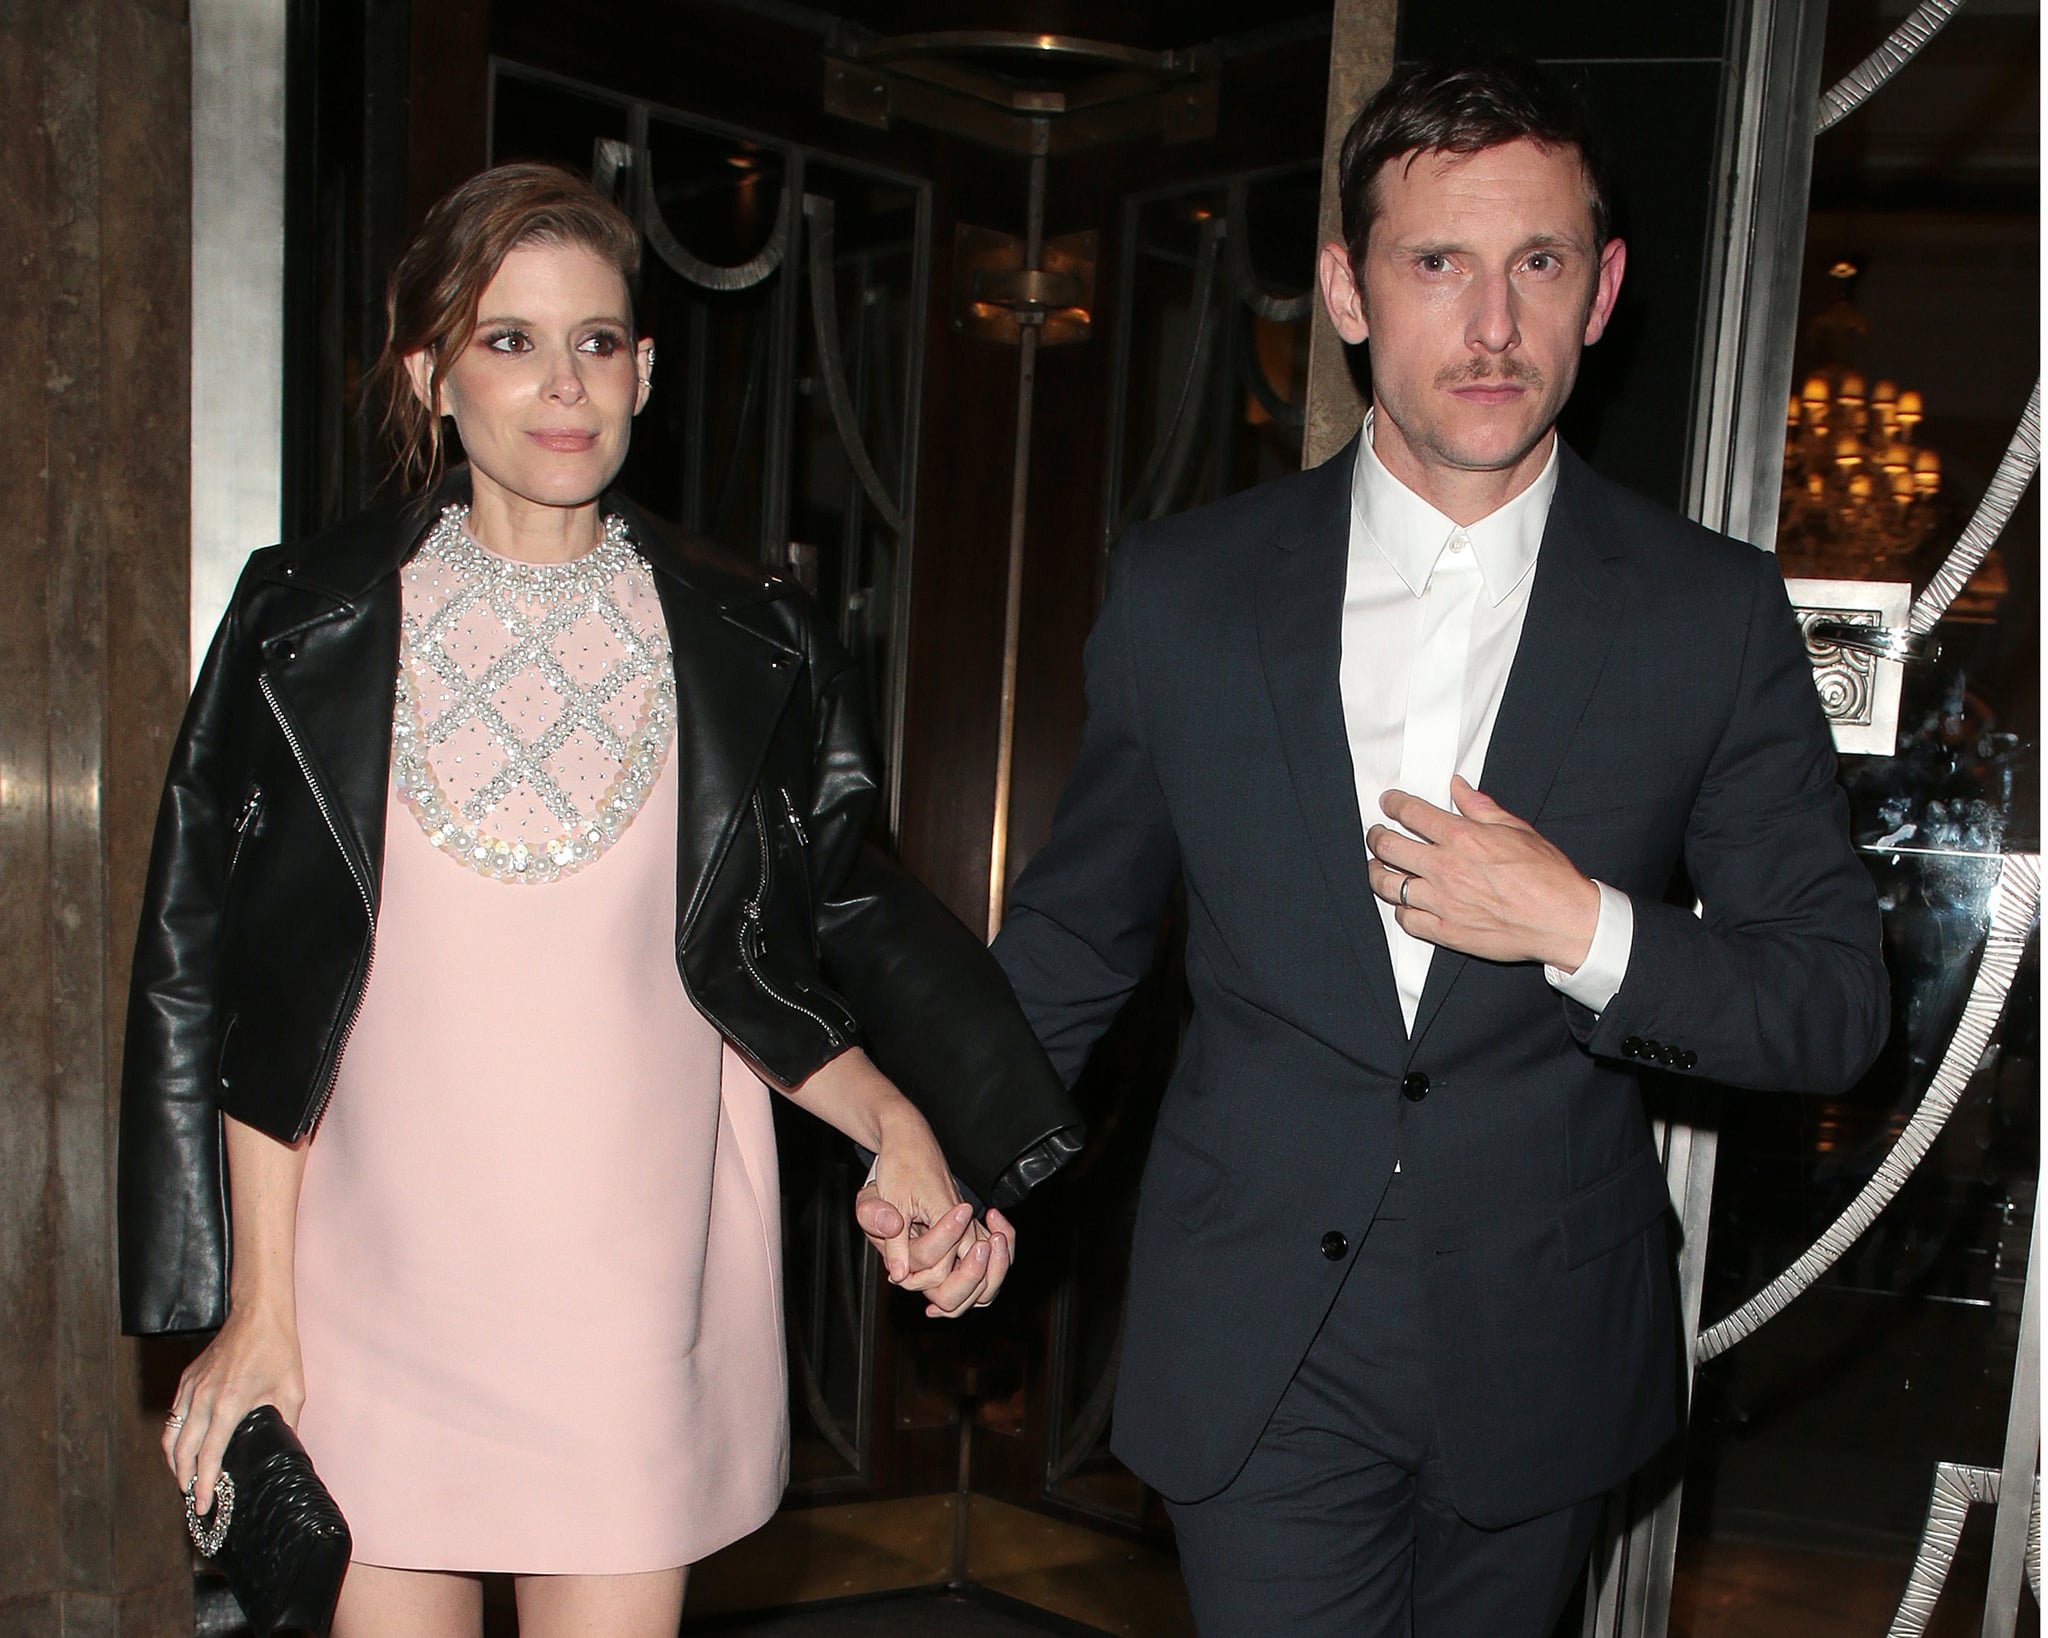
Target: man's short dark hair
{"x": 1429, "y": 108}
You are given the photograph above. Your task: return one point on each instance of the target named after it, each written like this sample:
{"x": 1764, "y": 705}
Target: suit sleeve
{"x": 171, "y": 1193}
{"x": 1781, "y": 982}
{"x": 933, "y": 1007}
{"x": 1084, "y": 915}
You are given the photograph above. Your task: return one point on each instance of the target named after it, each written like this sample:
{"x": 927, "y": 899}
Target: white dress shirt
{"x": 1432, "y": 618}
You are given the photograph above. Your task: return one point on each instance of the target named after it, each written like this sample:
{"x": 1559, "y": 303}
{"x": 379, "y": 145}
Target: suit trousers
{"x": 1342, "y": 1520}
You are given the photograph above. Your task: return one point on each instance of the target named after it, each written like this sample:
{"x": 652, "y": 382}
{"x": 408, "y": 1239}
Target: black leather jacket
{"x": 259, "y": 917}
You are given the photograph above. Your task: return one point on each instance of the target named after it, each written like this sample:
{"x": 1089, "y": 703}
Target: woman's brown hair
{"x": 431, "y": 302}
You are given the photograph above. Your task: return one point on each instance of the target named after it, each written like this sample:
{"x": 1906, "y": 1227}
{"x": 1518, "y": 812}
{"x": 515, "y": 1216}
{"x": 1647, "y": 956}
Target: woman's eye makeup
{"x": 604, "y": 343}
{"x": 507, "y": 340}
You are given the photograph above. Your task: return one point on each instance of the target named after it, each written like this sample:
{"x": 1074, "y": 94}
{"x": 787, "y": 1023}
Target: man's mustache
{"x": 1509, "y": 371}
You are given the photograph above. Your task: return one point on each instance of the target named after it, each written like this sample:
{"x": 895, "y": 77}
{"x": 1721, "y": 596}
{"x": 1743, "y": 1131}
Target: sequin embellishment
{"x": 535, "y": 604}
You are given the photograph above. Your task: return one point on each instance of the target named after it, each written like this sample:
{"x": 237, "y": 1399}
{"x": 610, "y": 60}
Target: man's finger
{"x": 940, "y": 1248}
{"x": 935, "y": 1247}
{"x": 1390, "y": 847}
{"x": 1425, "y": 819}
{"x": 1477, "y": 806}
{"x": 1385, "y": 881}
{"x": 998, "y": 1224}
{"x": 999, "y": 1259}
{"x": 958, "y": 1291}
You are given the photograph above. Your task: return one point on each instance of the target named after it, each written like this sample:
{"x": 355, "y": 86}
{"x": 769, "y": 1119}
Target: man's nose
{"x": 1492, "y": 327}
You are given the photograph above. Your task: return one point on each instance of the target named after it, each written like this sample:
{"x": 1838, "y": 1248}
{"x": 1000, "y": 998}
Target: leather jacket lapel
{"x": 331, "y": 677}
{"x": 1301, "y": 620}
{"x": 1574, "y": 607}
{"x": 734, "y": 676}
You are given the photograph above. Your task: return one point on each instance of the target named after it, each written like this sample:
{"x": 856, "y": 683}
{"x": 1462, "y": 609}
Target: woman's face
{"x": 545, "y": 393}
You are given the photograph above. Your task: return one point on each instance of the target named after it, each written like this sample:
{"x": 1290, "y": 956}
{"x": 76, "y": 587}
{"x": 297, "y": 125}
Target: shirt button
{"x": 1335, "y": 1245}
{"x": 1415, "y": 1086}
{"x": 1458, "y": 542}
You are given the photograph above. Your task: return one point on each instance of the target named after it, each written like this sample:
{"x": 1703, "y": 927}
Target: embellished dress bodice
{"x": 536, "y": 701}
{"x": 538, "y": 1244}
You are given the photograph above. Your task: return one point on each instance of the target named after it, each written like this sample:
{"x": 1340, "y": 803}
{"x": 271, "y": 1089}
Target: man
{"x": 1426, "y": 733}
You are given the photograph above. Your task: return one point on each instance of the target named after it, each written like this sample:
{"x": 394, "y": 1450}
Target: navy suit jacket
{"x": 1660, "y": 711}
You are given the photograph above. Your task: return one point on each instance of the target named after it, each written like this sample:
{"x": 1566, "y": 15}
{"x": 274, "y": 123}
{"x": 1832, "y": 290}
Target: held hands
{"x": 927, "y": 1237}
{"x": 254, "y": 1360}
{"x": 1481, "y": 881}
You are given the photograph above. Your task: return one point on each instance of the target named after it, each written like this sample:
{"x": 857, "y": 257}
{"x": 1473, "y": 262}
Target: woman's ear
{"x": 643, "y": 365}
{"x": 419, "y": 369}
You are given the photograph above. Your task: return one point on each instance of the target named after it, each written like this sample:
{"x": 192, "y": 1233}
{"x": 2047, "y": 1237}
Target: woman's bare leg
{"x": 381, "y": 1603}
{"x": 601, "y": 1606}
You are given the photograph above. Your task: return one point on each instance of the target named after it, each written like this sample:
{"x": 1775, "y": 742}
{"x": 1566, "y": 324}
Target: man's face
{"x": 1481, "y": 281}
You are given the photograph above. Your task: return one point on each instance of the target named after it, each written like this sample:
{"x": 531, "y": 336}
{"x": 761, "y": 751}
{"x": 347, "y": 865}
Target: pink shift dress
{"x": 538, "y": 1249}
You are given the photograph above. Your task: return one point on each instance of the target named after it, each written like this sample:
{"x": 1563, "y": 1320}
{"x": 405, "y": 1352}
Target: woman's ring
{"x": 1406, "y": 883}
{"x": 174, "y": 1421}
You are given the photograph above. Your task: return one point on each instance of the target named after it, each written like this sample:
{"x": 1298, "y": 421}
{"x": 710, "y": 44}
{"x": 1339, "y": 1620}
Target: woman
{"x": 509, "y": 846}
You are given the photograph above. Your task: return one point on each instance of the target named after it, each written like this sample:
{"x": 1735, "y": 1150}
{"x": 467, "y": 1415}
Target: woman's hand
{"x": 928, "y": 1239}
{"x": 910, "y": 1211}
{"x": 254, "y": 1360}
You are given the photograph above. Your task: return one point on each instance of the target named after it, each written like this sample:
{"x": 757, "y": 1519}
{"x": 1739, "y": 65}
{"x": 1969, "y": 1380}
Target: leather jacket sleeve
{"x": 936, "y": 1011}
{"x": 171, "y": 1187}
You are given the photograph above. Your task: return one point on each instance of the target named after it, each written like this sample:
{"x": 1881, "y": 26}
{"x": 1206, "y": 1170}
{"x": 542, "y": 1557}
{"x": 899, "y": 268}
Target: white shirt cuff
{"x": 1599, "y": 976}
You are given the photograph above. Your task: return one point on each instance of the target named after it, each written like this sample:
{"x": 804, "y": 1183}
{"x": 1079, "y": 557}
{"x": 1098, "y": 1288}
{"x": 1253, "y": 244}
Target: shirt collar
{"x": 1411, "y": 534}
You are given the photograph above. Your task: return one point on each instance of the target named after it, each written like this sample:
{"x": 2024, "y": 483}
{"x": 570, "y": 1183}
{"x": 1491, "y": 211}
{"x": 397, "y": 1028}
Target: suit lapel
{"x": 1574, "y": 606}
{"x": 1300, "y": 620}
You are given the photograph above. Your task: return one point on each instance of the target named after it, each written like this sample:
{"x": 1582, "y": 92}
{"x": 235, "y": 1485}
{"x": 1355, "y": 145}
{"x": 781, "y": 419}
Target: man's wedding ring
{"x": 1406, "y": 881}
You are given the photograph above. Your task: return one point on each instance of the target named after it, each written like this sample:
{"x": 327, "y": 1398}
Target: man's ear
{"x": 419, "y": 369}
{"x": 1606, "y": 289}
{"x": 1341, "y": 295}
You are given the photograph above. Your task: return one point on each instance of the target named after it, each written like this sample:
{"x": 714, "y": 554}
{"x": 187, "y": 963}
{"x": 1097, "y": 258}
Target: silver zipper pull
{"x": 796, "y": 824}
{"x": 250, "y": 807}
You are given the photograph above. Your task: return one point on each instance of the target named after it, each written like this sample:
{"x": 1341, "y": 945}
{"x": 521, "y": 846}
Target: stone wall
{"x": 94, "y": 345}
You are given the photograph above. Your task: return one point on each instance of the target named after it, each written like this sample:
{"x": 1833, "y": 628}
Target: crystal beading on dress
{"x": 577, "y": 653}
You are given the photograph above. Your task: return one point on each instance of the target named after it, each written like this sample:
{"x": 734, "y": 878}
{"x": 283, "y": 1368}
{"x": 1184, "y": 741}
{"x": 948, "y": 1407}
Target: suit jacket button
{"x": 1687, "y": 1059}
{"x": 1632, "y": 1047}
{"x": 1415, "y": 1086}
{"x": 1335, "y": 1245}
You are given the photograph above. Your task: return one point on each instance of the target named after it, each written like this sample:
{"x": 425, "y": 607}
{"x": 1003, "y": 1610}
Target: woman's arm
{"x": 254, "y": 1359}
{"x": 910, "y": 1209}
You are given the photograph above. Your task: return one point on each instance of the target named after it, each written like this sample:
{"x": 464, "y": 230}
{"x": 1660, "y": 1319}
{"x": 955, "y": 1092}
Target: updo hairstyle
{"x": 431, "y": 302}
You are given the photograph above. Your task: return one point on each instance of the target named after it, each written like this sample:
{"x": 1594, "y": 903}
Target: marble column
{"x": 1361, "y": 58}
{"x": 94, "y": 312}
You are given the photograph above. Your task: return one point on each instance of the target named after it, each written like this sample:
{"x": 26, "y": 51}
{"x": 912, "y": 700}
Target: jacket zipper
{"x": 362, "y": 887}
{"x": 245, "y": 821}
{"x": 750, "y": 914}
{"x": 795, "y": 824}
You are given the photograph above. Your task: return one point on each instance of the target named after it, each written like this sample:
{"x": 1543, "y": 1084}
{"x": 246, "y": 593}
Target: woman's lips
{"x": 564, "y": 440}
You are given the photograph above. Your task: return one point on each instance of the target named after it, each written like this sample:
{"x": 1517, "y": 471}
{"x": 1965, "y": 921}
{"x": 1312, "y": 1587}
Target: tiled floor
{"x": 1090, "y": 1581}
{"x": 1742, "y": 1590}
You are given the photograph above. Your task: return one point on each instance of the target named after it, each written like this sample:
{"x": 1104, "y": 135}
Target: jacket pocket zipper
{"x": 245, "y": 822}
{"x": 750, "y": 927}
{"x": 363, "y": 887}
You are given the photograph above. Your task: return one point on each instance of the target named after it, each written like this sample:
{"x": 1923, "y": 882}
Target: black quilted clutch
{"x": 274, "y": 1531}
